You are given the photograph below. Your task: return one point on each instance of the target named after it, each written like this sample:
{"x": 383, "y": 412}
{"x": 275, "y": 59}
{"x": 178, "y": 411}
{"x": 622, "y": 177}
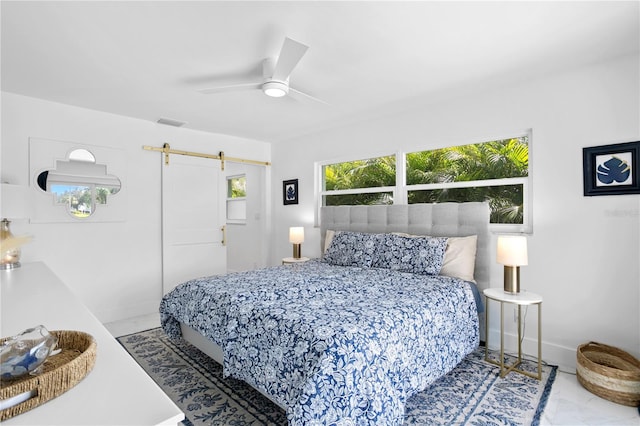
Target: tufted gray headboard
{"x": 441, "y": 220}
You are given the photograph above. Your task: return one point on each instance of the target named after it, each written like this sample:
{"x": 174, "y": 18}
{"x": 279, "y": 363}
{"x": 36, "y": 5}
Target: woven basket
{"x": 61, "y": 372}
{"x": 609, "y": 372}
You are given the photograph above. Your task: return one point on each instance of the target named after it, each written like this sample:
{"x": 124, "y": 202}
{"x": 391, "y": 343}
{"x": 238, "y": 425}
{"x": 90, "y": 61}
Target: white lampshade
{"x": 296, "y": 235}
{"x": 512, "y": 250}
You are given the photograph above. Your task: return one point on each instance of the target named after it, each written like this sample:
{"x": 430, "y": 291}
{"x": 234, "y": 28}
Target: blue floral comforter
{"x": 331, "y": 344}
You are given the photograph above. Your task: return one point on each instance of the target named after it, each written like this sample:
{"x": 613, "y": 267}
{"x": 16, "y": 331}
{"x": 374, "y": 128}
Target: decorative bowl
{"x": 24, "y": 353}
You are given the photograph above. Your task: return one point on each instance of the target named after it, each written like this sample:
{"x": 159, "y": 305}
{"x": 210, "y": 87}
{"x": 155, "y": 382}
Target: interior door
{"x": 193, "y": 220}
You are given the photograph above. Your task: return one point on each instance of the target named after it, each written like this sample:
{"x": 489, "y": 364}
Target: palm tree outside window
{"x": 495, "y": 171}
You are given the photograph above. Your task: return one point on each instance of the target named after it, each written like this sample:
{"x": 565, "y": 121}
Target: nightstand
{"x": 293, "y": 260}
{"x": 523, "y": 298}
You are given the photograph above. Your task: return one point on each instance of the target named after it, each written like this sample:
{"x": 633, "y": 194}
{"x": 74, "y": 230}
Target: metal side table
{"x": 521, "y": 299}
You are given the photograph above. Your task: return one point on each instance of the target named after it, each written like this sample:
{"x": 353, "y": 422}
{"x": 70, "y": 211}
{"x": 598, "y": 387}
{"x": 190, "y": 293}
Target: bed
{"x": 348, "y": 338}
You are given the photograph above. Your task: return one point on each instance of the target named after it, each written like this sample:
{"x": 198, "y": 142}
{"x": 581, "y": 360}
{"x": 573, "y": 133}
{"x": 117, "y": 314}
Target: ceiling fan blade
{"x": 294, "y": 93}
{"x": 231, "y": 88}
{"x": 290, "y": 54}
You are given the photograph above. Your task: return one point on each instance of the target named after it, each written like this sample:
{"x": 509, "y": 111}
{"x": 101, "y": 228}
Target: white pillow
{"x": 460, "y": 258}
{"x": 328, "y": 237}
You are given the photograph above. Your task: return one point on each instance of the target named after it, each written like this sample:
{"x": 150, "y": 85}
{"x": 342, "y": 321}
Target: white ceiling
{"x": 148, "y": 59}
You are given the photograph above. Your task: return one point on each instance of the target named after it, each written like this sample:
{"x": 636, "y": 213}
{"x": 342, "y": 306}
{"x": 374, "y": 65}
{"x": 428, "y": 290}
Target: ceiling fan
{"x": 275, "y": 74}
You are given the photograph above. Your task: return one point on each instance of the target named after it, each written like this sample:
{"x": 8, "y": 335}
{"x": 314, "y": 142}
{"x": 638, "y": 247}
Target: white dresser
{"x": 116, "y": 392}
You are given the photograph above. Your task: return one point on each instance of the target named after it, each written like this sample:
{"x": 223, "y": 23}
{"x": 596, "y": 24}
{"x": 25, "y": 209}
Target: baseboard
{"x": 563, "y": 357}
{"x": 125, "y": 312}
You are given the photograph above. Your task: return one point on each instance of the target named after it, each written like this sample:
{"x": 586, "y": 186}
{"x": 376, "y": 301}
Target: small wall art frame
{"x": 612, "y": 169}
{"x": 290, "y": 191}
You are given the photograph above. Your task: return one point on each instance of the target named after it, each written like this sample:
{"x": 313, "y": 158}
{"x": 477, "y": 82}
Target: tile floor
{"x": 569, "y": 403}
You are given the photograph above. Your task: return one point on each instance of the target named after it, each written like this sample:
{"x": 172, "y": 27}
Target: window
{"x": 370, "y": 181}
{"x": 496, "y": 171}
{"x": 236, "y": 199}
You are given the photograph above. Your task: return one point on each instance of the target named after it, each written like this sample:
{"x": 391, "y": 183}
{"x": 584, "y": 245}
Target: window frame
{"x": 401, "y": 190}
{"x": 319, "y": 193}
{"x": 235, "y": 200}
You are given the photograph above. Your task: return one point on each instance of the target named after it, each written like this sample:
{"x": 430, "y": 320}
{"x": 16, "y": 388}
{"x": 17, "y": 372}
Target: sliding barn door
{"x": 193, "y": 218}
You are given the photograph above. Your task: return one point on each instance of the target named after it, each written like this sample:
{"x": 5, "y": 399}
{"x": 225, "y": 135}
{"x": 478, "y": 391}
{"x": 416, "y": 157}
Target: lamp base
{"x": 297, "y": 251}
{"x": 512, "y": 279}
{"x": 9, "y": 259}
{"x": 6, "y": 266}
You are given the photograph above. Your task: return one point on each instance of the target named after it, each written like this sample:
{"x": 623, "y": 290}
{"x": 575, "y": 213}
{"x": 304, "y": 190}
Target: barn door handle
{"x": 224, "y": 235}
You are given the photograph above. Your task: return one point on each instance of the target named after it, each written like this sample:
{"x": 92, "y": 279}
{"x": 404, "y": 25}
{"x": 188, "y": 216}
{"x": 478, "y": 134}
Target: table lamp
{"x": 512, "y": 253}
{"x": 296, "y": 237}
{"x": 13, "y": 206}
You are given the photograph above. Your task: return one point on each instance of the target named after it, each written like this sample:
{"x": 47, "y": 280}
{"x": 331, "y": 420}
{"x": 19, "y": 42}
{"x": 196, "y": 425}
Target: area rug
{"x": 471, "y": 394}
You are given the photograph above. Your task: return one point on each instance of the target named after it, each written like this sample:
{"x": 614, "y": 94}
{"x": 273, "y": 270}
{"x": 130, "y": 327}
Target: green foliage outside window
{"x": 371, "y": 173}
{"x": 237, "y": 187}
{"x": 500, "y": 159}
{"x": 505, "y": 201}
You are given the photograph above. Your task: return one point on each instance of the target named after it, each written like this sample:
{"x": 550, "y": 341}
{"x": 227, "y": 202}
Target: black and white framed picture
{"x": 290, "y": 191}
{"x": 611, "y": 169}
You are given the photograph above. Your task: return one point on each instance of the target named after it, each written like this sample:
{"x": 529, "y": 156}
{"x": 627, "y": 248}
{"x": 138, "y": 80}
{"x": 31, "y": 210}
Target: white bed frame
{"x": 440, "y": 220}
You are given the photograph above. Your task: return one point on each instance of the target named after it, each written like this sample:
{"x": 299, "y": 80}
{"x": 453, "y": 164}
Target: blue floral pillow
{"x": 352, "y": 249}
{"x": 418, "y": 255}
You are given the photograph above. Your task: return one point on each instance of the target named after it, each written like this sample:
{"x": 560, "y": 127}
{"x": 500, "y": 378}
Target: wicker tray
{"x": 61, "y": 372}
{"x": 609, "y": 372}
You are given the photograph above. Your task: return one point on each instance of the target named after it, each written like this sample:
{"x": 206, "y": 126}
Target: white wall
{"x": 115, "y": 268}
{"x": 584, "y": 251}
{"x": 247, "y": 242}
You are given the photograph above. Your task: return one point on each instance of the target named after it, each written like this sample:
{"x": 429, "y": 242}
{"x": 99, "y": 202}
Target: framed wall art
{"x": 290, "y": 191}
{"x": 611, "y": 169}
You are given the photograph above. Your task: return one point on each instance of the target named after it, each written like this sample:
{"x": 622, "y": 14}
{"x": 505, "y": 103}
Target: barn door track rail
{"x": 166, "y": 150}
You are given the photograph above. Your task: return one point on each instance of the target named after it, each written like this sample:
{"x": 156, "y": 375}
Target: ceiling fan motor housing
{"x": 275, "y": 89}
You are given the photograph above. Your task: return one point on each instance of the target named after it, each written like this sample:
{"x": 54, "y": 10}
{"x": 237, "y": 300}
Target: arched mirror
{"x": 79, "y": 183}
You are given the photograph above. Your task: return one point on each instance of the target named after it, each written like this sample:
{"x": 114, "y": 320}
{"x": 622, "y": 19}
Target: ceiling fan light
{"x": 275, "y": 89}
{"x": 274, "y": 92}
